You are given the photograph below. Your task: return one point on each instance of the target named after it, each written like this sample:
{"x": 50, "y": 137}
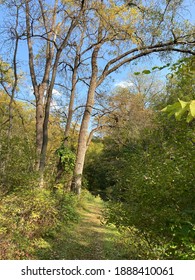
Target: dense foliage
{"x": 30, "y": 219}
{"x": 148, "y": 177}
{"x": 155, "y": 190}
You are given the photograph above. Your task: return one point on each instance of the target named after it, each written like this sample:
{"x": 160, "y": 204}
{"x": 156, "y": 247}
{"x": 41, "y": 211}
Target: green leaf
{"x": 189, "y": 117}
{"x": 136, "y": 73}
{"x": 155, "y": 67}
{"x": 146, "y": 72}
{"x": 172, "y": 109}
{"x": 192, "y": 108}
{"x": 180, "y": 113}
{"x": 183, "y": 103}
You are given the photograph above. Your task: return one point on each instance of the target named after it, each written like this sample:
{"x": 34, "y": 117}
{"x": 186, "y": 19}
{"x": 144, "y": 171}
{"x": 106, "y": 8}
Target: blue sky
{"x": 123, "y": 74}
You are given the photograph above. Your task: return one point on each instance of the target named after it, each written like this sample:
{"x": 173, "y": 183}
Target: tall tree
{"x": 120, "y": 34}
{"x": 74, "y": 66}
{"x": 53, "y": 25}
{"x": 9, "y": 71}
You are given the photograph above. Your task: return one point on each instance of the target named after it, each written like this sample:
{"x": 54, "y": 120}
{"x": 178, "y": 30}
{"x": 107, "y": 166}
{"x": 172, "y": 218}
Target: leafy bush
{"x": 67, "y": 158}
{"x": 158, "y": 197}
{"x": 30, "y": 219}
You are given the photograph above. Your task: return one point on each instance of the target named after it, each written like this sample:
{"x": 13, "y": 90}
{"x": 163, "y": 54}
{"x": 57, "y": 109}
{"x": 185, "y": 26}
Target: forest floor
{"x": 90, "y": 238}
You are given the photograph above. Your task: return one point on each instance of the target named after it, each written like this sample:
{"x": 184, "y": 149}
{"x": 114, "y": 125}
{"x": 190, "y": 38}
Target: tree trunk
{"x": 46, "y": 86}
{"x": 39, "y": 133}
{"x": 39, "y": 125}
{"x": 60, "y": 167}
{"x": 83, "y": 138}
{"x": 83, "y": 134}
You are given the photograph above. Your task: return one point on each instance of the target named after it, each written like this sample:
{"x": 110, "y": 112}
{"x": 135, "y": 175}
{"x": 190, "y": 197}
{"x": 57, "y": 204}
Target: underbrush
{"x": 86, "y": 198}
{"x": 173, "y": 241}
{"x": 30, "y": 220}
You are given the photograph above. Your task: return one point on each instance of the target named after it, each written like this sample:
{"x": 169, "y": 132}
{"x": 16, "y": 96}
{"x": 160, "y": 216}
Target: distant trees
{"x": 16, "y": 150}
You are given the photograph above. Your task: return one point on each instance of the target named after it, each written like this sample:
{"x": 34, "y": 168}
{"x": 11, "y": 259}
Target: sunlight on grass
{"x": 87, "y": 239}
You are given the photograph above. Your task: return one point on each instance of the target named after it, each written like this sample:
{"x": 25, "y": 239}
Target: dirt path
{"x": 91, "y": 233}
{"x": 89, "y": 239}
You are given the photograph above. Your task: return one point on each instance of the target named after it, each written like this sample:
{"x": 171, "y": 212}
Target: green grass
{"x": 89, "y": 238}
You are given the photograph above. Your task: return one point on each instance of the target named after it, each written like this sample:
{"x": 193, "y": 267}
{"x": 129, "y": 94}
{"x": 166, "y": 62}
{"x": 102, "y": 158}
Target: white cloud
{"x": 56, "y": 92}
{"x": 124, "y": 84}
{"x": 54, "y": 104}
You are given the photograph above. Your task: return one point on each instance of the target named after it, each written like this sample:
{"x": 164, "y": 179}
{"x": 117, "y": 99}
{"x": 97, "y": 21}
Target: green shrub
{"x": 30, "y": 220}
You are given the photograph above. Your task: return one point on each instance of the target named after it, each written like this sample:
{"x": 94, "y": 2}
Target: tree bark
{"x": 60, "y": 167}
{"x": 82, "y": 143}
{"x": 39, "y": 130}
{"x": 49, "y": 98}
{"x": 83, "y": 135}
{"x": 71, "y": 104}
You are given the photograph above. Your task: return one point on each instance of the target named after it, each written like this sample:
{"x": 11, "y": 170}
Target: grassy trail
{"x": 89, "y": 239}
{"x": 91, "y": 233}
